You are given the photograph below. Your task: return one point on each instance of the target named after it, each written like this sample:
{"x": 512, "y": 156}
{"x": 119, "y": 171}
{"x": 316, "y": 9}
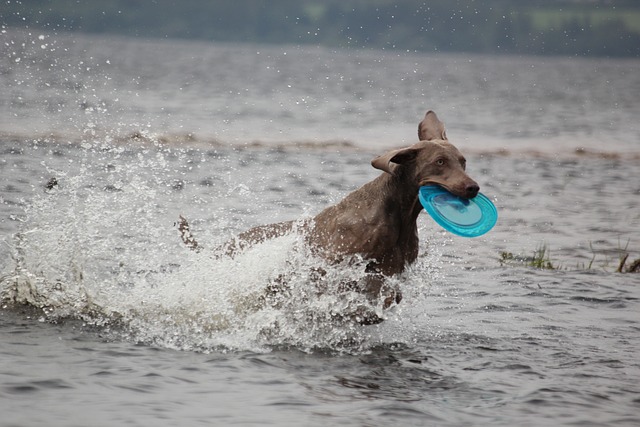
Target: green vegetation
{"x": 545, "y": 27}
{"x": 543, "y": 19}
{"x": 541, "y": 259}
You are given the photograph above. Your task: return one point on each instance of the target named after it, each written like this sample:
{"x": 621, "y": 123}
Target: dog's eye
{"x": 440, "y": 162}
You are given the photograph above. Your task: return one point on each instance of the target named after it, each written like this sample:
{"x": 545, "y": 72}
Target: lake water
{"x": 108, "y": 319}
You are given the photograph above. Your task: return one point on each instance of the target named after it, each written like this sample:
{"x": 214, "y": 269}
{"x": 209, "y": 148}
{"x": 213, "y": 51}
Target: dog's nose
{"x": 472, "y": 190}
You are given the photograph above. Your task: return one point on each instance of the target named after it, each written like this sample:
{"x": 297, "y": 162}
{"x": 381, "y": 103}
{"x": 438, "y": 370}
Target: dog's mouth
{"x": 438, "y": 183}
{"x": 463, "y": 190}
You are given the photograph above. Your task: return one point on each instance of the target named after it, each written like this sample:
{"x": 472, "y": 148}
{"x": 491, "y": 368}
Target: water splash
{"x": 100, "y": 244}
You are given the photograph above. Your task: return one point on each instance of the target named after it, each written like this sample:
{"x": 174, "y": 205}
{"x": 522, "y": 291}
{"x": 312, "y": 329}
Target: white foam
{"x": 102, "y": 247}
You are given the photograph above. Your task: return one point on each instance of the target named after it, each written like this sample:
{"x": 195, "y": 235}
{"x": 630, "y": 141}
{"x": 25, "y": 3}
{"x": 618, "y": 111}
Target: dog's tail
{"x": 186, "y": 236}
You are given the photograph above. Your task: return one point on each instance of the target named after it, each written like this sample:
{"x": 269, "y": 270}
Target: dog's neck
{"x": 402, "y": 194}
{"x": 398, "y": 208}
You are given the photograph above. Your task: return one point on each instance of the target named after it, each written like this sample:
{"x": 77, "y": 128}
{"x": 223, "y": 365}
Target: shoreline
{"x": 191, "y": 141}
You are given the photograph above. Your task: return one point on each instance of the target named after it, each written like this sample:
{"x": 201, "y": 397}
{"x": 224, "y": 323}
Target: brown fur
{"x": 378, "y": 220}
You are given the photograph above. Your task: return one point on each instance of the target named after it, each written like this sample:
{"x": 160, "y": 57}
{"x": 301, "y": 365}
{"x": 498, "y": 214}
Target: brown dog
{"x": 378, "y": 220}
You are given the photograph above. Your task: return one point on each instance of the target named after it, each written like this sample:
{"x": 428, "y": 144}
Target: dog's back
{"x": 376, "y": 222}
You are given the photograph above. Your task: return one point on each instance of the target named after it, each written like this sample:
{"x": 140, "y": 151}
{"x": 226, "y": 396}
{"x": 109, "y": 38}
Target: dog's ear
{"x": 403, "y": 155}
{"x": 431, "y": 128}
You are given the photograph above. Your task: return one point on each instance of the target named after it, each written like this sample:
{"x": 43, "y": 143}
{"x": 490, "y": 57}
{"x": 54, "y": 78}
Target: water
{"x": 108, "y": 317}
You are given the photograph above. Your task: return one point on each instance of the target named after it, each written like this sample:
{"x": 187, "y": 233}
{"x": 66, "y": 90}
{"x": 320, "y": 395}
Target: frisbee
{"x": 464, "y": 217}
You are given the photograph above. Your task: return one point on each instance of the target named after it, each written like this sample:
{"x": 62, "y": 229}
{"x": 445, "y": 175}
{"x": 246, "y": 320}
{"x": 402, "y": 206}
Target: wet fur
{"x": 377, "y": 221}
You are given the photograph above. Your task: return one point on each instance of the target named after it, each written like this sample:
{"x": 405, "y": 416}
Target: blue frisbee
{"x": 464, "y": 217}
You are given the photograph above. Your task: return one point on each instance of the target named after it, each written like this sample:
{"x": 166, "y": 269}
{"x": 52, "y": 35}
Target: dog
{"x": 376, "y": 222}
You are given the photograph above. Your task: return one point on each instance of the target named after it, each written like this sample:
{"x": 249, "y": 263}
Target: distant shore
{"x": 541, "y": 27}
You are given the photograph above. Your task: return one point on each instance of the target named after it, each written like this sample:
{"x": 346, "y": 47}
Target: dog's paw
{"x": 366, "y": 316}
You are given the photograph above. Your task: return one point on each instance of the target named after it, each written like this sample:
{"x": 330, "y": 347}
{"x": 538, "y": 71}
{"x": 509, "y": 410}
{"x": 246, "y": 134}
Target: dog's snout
{"x": 472, "y": 190}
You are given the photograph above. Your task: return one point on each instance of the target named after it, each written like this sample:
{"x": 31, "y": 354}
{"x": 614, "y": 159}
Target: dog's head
{"x": 433, "y": 160}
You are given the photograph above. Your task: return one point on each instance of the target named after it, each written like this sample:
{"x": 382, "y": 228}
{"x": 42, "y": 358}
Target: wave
{"x": 534, "y": 148}
{"x": 99, "y": 244}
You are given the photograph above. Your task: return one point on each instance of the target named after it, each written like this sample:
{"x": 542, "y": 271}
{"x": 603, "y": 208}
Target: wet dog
{"x": 376, "y": 222}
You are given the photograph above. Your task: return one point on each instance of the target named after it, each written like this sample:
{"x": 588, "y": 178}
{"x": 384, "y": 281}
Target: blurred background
{"x": 540, "y": 27}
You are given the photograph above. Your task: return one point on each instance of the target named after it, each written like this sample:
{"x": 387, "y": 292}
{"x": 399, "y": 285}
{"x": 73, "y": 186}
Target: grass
{"x": 541, "y": 259}
{"x": 543, "y": 19}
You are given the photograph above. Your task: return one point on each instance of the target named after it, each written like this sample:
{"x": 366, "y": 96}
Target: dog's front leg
{"x": 377, "y": 287}
{"x": 186, "y": 236}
